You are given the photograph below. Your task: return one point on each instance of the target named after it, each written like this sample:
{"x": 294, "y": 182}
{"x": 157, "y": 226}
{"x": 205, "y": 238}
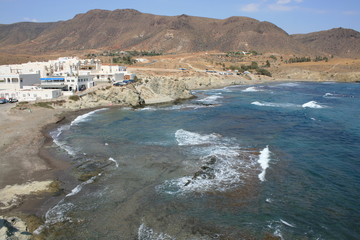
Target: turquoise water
{"x": 240, "y": 162}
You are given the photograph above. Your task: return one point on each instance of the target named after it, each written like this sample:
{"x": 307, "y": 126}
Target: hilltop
{"x": 127, "y": 29}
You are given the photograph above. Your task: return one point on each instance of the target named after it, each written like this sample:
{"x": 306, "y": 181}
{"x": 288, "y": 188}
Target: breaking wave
{"x": 146, "y": 233}
{"x": 210, "y": 99}
{"x": 58, "y": 213}
{"x": 222, "y": 165}
{"x": 264, "y": 160}
{"x": 113, "y": 160}
{"x": 312, "y": 104}
{"x": 270, "y": 104}
{"x": 252, "y": 89}
{"x": 84, "y": 117}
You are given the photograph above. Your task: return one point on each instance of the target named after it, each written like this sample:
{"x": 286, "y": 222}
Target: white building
{"x": 68, "y": 83}
{"x": 19, "y": 81}
{"x": 30, "y": 94}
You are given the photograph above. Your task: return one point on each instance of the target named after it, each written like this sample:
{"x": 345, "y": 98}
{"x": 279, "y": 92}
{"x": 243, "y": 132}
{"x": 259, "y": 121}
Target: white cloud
{"x": 281, "y": 7}
{"x": 30, "y": 19}
{"x": 351, "y": 13}
{"x": 283, "y": 1}
{"x": 252, "y": 7}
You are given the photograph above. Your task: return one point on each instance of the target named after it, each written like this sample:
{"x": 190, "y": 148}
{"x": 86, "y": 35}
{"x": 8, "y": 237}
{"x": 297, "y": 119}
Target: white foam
{"x": 146, "y": 233}
{"x": 57, "y": 213}
{"x": 184, "y": 138}
{"x": 270, "y": 104}
{"x": 113, "y": 160}
{"x": 229, "y": 170}
{"x": 252, "y": 89}
{"x": 264, "y": 160}
{"x": 312, "y": 104}
{"x": 56, "y": 134}
{"x": 84, "y": 117}
{"x": 288, "y": 84}
{"x": 328, "y": 95}
{"x": 79, "y": 187}
{"x": 278, "y": 233}
{"x": 286, "y": 223}
{"x": 210, "y": 99}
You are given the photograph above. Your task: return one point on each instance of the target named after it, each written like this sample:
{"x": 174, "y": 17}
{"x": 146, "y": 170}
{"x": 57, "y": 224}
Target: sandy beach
{"x": 22, "y": 170}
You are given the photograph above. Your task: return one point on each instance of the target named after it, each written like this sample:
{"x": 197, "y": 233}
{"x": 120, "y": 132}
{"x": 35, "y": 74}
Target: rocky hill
{"x": 132, "y": 30}
{"x": 338, "y": 41}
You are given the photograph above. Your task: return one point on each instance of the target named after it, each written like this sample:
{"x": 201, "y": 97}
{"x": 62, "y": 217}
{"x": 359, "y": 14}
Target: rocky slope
{"x": 148, "y": 91}
{"x": 130, "y": 29}
{"x": 338, "y": 41}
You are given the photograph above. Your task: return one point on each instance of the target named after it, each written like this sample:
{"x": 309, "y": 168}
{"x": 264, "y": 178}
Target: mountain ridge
{"x": 129, "y": 29}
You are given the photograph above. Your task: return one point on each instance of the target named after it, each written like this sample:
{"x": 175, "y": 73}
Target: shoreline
{"x": 54, "y": 168}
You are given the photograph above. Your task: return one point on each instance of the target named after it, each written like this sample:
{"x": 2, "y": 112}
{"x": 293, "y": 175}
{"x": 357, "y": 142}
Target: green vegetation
{"x": 253, "y": 67}
{"x": 125, "y": 60}
{"x": 306, "y": 59}
{"x": 74, "y": 98}
{"x": 273, "y": 57}
{"x": 124, "y": 54}
{"x": 242, "y": 53}
{"x": 44, "y": 104}
{"x": 267, "y": 64}
{"x": 298, "y": 60}
{"x": 265, "y": 72}
{"x": 319, "y": 59}
{"x": 144, "y": 53}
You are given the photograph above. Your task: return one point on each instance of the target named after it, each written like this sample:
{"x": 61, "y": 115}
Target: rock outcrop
{"x": 151, "y": 90}
{"x": 13, "y": 228}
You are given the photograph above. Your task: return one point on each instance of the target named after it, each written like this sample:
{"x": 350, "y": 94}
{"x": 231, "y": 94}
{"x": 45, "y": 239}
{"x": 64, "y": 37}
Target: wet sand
{"x": 23, "y": 170}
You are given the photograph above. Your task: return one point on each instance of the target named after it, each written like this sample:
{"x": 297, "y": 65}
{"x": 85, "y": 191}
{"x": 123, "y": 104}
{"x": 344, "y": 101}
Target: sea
{"x": 270, "y": 161}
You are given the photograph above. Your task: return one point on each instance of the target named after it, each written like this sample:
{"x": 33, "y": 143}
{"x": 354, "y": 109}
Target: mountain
{"x": 338, "y": 41}
{"x": 129, "y": 29}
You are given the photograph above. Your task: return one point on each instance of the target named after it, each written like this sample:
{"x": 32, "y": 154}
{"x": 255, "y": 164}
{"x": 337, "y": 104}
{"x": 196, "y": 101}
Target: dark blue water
{"x": 193, "y": 170}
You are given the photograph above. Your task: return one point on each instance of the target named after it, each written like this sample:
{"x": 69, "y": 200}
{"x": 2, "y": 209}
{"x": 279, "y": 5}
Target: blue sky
{"x": 294, "y": 16}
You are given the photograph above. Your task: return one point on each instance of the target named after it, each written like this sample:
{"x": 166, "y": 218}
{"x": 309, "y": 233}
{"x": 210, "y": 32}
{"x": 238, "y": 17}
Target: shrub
{"x": 44, "y": 104}
{"x": 74, "y": 98}
{"x": 265, "y": 72}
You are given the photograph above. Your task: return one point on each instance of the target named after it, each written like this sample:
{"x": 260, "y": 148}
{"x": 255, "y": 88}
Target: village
{"x": 65, "y": 76}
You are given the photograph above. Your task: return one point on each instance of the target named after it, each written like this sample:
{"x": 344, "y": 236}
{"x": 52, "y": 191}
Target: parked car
{"x": 3, "y": 100}
{"x": 13, "y": 100}
{"x": 117, "y": 84}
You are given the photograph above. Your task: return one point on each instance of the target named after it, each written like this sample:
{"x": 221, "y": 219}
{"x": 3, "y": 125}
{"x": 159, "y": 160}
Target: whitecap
{"x": 184, "y": 138}
{"x": 264, "y": 160}
{"x": 113, "y": 160}
{"x": 84, "y": 117}
{"x": 210, "y": 99}
{"x": 270, "y": 104}
{"x": 57, "y": 213}
{"x": 328, "y": 95}
{"x": 286, "y": 223}
{"x": 222, "y": 166}
{"x": 79, "y": 187}
{"x": 288, "y": 84}
{"x": 312, "y": 104}
{"x": 147, "y": 233}
{"x": 278, "y": 233}
{"x": 252, "y": 89}
{"x": 56, "y": 136}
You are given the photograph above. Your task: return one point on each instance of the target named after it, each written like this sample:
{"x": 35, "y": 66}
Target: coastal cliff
{"x": 151, "y": 90}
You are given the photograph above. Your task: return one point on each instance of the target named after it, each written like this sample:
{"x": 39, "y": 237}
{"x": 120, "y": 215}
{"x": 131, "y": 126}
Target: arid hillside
{"x": 132, "y": 30}
{"x": 338, "y": 41}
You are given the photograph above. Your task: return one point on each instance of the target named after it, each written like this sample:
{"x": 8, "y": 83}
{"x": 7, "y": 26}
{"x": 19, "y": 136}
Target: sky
{"x": 293, "y": 16}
